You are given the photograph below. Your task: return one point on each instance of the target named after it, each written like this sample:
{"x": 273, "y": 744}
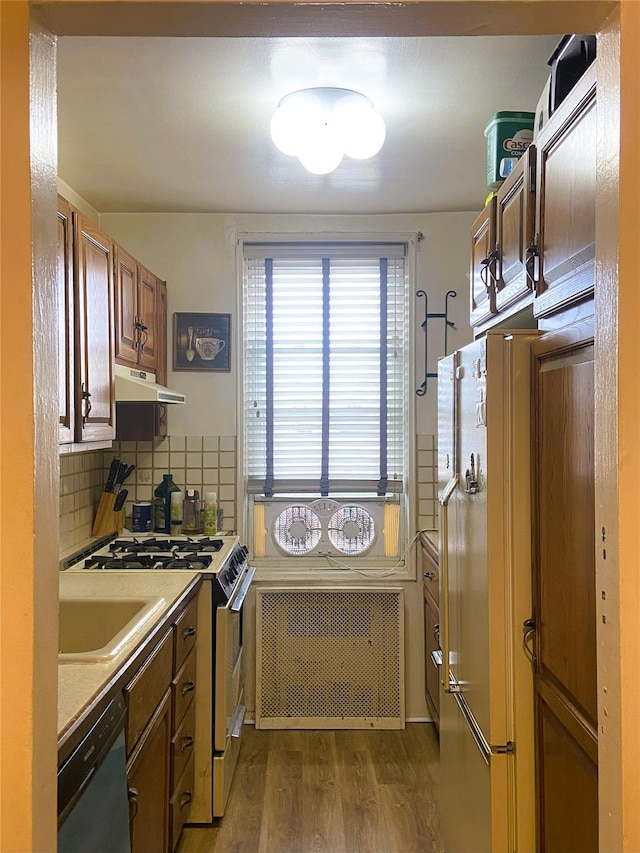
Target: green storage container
{"x": 509, "y": 134}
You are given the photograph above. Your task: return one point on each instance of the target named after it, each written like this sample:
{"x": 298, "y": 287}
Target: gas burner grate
{"x": 206, "y": 543}
{"x": 193, "y": 562}
{"x": 140, "y": 561}
{"x": 136, "y": 546}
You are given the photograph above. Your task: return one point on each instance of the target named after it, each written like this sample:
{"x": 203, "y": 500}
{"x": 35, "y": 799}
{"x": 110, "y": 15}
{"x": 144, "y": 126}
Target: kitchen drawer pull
{"x": 188, "y": 687}
{"x": 188, "y": 632}
{"x": 187, "y": 741}
{"x": 185, "y": 799}
{"x": 431, "y": 576}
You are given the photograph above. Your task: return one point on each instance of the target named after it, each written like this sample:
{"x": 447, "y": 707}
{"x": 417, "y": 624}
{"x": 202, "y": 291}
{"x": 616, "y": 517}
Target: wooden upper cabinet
{"x": 94, "y": 375}
{"x": 148, "y": 285}
{"x": 515, "y": 221}
{"x": 483, "y": 244}
{"x": 566, "y": 189}
{"x": 126, "y": 311}
{"x": 66, "y": 384}
{"x": 136, "y": 312}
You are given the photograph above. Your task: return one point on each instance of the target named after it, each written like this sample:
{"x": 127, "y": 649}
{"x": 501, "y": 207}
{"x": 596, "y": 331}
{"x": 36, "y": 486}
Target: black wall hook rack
{"x": 422, "y": 390}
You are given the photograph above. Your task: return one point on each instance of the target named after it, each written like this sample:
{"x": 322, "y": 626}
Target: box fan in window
{"x": 344, "y": 529}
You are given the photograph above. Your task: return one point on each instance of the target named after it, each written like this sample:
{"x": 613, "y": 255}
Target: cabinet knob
{"x": 430, "y": 576}
{"x": 185, "y": 799}
{"x": 188, "y": 632}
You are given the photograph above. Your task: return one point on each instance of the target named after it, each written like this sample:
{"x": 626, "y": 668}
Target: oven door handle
{"x": 238, "y": 601}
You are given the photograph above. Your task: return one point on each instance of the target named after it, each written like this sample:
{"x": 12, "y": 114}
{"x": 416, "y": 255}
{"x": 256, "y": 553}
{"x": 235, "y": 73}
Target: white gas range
{"x": 220, "y": 708}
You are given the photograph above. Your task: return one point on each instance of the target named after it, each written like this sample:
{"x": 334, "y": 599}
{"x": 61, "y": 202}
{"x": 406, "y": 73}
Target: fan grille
{"x": 297, "y": 529}
{"x": 352, "y": 529}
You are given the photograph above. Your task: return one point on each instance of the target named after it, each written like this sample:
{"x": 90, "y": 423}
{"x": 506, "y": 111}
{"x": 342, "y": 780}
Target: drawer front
{"x": 185, "y": 629}
{"x": 183, "y": 689}
{"x": 181, "y": 801}
{"x": 430, "y": 575}
{"x": 145, "y": 691}
{"x": 182, "y": 744}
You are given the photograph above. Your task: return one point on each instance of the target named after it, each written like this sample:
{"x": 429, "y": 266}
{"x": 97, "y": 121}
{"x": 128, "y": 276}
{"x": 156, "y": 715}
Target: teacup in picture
{"x": 201, "y": 341}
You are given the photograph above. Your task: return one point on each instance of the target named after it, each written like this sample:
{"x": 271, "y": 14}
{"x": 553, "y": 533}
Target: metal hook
{"x": 422, "y": 390}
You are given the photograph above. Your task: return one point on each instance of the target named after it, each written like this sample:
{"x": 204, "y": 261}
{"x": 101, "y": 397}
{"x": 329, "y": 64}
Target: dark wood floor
{"x": 330, "y": 792}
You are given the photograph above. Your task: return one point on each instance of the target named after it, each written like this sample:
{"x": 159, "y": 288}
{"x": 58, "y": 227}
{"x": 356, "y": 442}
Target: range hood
{"x": 139, "y": 386}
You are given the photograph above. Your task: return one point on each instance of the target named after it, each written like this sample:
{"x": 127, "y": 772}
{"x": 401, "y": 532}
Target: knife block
{"x": 106, "y": 520}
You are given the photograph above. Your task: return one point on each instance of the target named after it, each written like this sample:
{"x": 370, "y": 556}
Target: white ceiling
{"x": 182, "y": 125}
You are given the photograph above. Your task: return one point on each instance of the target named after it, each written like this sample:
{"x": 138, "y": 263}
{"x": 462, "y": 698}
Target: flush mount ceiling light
{"x": 319, "y": 126}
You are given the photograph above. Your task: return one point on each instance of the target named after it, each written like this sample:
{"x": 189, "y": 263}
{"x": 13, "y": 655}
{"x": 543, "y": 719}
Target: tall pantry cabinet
{"x": 533, "y": 252}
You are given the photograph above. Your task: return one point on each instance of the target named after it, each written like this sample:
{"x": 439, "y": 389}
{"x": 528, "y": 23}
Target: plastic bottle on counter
{"x": 162, "y": 504}
{"x": 191, "y": 522}
{"x": 176, "y": 513}
{"x": 210, "y": 513}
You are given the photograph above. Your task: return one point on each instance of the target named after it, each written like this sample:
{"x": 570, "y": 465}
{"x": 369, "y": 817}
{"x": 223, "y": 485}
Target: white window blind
{"x": 325, "y": 368}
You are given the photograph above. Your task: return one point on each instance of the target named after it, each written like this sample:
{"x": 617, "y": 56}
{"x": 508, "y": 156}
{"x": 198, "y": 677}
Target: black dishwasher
{"x": 93, "y": 805}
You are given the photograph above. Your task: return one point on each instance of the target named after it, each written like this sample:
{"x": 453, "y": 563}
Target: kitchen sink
{"x": 95, "y": 630}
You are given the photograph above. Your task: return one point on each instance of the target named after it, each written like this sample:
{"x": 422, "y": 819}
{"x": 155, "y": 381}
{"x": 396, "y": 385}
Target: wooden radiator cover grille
{"x": 330, "y": 658}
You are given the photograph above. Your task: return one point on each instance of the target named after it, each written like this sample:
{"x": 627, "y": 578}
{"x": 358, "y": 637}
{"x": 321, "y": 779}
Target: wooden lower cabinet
{"x": 160, "y": 737}
{"x": 148, "y": 772}
{"x": 564, "y": 592}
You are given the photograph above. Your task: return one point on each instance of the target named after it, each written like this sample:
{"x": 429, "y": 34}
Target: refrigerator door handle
{"x": 485, "y": 748}
{"x": 447, "y": 684}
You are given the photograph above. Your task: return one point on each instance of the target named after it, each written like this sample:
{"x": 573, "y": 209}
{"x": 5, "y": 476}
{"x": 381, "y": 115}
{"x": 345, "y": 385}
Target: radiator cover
{"x": 329, "y": 657}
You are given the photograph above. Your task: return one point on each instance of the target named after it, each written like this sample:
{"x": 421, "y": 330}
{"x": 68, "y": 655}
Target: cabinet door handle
{"x": 133, "y": 801}
{"x": 185, "y": 799}
{"x": 187, "y": 687}
{"x": 187, "y": 740}
{"x": 529, "y": 264}
{"x": 188, "y": 632}
{"x": 86, "y": 404}
{"x": 484, "y": 273}
{"x": 430, "y": 576}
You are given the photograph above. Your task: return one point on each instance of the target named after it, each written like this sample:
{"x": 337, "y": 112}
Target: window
{"x": 325, "y": 368}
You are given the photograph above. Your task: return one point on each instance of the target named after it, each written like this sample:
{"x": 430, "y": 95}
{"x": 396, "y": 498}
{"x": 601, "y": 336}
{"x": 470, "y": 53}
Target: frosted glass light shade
{"x": 320, "y": 125}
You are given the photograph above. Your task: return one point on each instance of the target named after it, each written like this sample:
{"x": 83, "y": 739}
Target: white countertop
{"x": 80, "y": 684}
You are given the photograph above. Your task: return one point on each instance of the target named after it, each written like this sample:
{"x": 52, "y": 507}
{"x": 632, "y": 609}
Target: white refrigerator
{"x": 486, "y": 692}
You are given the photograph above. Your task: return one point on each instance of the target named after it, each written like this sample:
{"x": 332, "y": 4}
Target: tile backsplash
{"x": 206, "y": 463}
{"x": 203, "y": 462}
{"x": 81, "y": 482}
{"x": 427, "y": 482}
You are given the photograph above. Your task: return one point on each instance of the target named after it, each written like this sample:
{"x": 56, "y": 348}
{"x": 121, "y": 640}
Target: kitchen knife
{"x": 122, "y": 496}
{"x": 128, "y": 470}
{"x": 113, "y": 471}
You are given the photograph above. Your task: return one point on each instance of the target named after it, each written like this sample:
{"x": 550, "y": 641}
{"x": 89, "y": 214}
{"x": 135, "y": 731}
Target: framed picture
{"x": 202, "y": 341}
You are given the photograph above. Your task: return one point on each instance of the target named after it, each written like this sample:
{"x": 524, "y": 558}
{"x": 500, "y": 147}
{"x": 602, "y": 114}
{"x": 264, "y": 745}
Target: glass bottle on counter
{"x": 162, "y": 504}
{"x": 191, "y": 521}
{"x": 176, "y": 513}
